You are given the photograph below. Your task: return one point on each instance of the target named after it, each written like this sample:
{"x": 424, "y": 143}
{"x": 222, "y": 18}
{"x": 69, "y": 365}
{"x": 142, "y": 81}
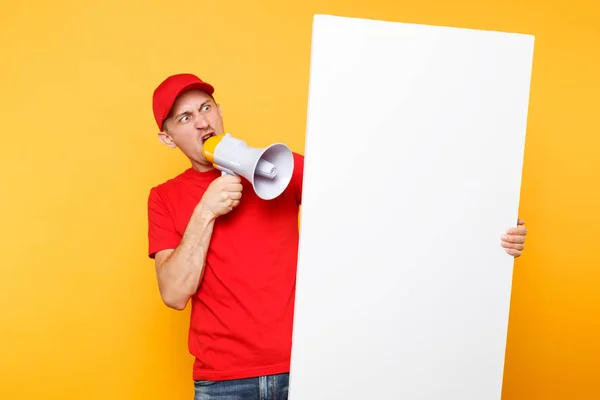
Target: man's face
{"x": 194, "y": 118}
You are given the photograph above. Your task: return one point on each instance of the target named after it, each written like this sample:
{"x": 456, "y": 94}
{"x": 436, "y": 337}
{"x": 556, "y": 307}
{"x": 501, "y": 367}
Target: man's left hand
{"x": 513, "y": 240}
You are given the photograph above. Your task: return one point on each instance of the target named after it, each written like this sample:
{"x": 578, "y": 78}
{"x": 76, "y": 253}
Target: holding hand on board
{"x": 513, "y": 240}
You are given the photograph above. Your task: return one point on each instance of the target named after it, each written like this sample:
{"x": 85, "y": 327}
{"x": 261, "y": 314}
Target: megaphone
{"x": 268, "y": 169}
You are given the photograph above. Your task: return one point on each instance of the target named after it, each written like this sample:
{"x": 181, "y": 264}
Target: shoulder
{"x": 298, "y": 162}
{"x": 162, "y": 192}
{"x": 297, "y": 176}
{"x": 170, "y": 185}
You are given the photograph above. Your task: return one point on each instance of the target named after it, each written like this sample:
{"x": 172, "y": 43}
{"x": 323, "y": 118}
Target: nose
{"x": 201, "y": 122}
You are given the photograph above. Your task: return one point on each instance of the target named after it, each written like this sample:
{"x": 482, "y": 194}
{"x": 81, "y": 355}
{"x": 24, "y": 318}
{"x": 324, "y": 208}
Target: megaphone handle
{"x": 225, "y": 171}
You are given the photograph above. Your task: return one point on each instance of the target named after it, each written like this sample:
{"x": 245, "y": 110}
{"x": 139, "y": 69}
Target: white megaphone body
{"x": 268, "y": 169}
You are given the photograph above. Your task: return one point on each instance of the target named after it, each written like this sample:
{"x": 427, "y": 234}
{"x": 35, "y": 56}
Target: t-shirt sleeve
{"x": 162, "y": 234}
{"x": 298, "y": 176}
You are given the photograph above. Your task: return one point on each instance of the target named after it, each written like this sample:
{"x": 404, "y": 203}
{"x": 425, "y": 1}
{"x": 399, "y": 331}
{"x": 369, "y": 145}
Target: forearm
{"x": 181, "y": 273}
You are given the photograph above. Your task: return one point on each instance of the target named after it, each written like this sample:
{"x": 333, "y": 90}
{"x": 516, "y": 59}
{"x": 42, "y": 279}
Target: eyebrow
{"x": 188, "y": 112}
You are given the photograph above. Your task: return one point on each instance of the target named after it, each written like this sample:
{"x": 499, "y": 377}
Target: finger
{"x": 513, "y": 252}
{"x": 231, "y": 178}
{"x": 520, "y": 222}
{"x": 521, "y": 231}
{"x": 235, "y": 187}
{"x": 232, "y": 204}
{"x": 513, "y": 238}
{"x": 515, "y": 246}
{"x": 235, "y": 195}
{"x": 224, "y": 196}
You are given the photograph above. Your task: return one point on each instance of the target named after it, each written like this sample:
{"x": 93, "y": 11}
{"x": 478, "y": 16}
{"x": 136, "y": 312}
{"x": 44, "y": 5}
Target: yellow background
{"x": 81, "y": 317}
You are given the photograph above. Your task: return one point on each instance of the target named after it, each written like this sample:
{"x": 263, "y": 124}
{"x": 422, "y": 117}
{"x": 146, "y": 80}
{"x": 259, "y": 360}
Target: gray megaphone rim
{"x": 286, "y": 152}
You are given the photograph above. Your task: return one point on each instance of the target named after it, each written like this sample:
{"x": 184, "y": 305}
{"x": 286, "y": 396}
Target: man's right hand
{"x": 222, "y": 195}
{"x": 181, "y": 270}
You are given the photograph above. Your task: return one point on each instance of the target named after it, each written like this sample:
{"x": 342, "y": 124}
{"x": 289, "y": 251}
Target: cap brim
{"x": 205, "y": 87}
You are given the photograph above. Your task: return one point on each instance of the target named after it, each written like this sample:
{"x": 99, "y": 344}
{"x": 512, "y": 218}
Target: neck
{"x": 202, "y": 167}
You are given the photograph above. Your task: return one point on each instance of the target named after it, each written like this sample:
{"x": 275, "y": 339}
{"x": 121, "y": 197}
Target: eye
{"x": 185, "y": 118}
{"x": 206, "y": 107}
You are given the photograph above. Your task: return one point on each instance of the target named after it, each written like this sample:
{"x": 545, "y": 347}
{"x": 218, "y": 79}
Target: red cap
{"x": 166, "y": 93}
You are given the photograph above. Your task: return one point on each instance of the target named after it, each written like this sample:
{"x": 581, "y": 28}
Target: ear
{"x": 166, "y": 139}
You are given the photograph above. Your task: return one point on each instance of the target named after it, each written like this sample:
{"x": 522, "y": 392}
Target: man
{"x": 232, "y": 254}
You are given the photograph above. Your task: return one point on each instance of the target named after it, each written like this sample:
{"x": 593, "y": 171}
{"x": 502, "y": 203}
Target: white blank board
{"x": 413, "y": 159}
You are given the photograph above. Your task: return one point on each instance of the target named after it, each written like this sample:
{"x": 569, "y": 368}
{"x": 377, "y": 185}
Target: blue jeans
{"x": 271, "y": 387}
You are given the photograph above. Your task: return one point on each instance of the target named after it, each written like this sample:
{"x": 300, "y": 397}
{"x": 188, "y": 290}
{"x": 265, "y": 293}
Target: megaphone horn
{"x": 268, "y": 169}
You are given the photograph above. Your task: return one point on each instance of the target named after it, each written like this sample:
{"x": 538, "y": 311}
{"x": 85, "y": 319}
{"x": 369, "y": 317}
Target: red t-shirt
{"x": 241, "y": 318}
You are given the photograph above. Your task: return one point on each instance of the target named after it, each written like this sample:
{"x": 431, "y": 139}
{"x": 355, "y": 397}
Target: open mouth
{"x": 207, "y": 136}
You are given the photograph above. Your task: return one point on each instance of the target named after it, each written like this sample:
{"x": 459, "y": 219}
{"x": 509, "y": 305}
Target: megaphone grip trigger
{"x": 225, "y": 171}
